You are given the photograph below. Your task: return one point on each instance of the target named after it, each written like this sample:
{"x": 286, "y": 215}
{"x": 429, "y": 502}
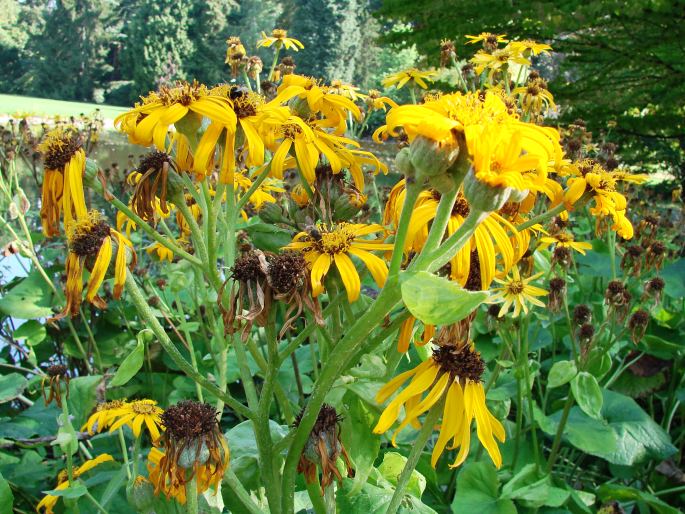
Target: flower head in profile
{"x": 49, "y": 501}
{"x": 64, "y": 163}
{"x": 325, "y": 245}
{"x": 454, "y": 373}
{"x": 55, "y": 375}
{"x": 323, "y": 449}
{"x": 518, "y": 292}
{"x": 528, "y": 46}
{"x": 489, "y": 40}
{"x": 137, "y": 413}
{"x": 103, "y": 417}
{"x": 235, "y": 54}
{"x": 411, "y": 76}
{"x": 151, "y": 180}
{"x": 279, "y": 38}
{"x": 565, "y": 240}
{"x": 193, "y": 446}
{"x": 499, "y": 60}
{"x": 90, "y": 241}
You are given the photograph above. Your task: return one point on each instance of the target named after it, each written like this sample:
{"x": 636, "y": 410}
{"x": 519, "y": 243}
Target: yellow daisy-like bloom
{"x": 535, "y": 97}
{"x": 103, "y": 416}
{"x": 263, "y": 194}
{"x": 487, "y": 37}
{"x": 235, "y": 53}
{"x": 90, "y": 240}
{"x": 528, "y": 45}
{"x": 497, "y": 60}
{"x": 490, "y": 241}
{"x": 65, "y": 164}
{"x": 324, "y": 246}
{"x": 149, "y": 121}
{"x": 299, "y": 195}
{"x": 592, "y": 177}
{"x": 453, "y": 373}
{"x": 517, "y": 292}
{"x": 319, "y": 99}
{"x": 340, "y": 88}
{"x": 135, "y": 413}
{"x": 375, "y": 101}
{"x": 410, "y": 76}
{"x": 47, "y": 504}
{"x": 162, "y": 252}
{"x": 564, "y": 240}
{"x": 279, "y": 38}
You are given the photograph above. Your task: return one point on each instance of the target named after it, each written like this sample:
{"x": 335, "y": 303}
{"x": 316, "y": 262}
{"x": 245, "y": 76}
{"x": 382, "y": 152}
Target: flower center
{"x": 462, "y": 362}
{"x": 245, "y": 103}
{"x": 143, "y": 408}
{"x": 189, "y": 420}
{"x": 515, "y": 287}
{"x": 183, "y": 93}
{"x": 247, "y": 268}
{"x": 337, "y": 241}
{"x": 279, "y": 33}
{"x": 59, "y": 147}
{"x": 291, "y": 130}
{"x": 86, "y": 235}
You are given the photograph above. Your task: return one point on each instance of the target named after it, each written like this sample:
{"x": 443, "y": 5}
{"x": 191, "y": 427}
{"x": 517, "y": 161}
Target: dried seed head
{"x": 190, "y": 420}
{"x": 582, "y": 314}
{"x": 247, "y": 268}
{"x": 153, "y": 161}
{"x": 462, "y": 362}
{"x": 326, "y": 422}
{"x": 655, "y": 286}
{"x": 56, "y": 370}
{"x": 287, "y": 271}
{"x": 557, "y": 285}
{"x": 586, "y": 332}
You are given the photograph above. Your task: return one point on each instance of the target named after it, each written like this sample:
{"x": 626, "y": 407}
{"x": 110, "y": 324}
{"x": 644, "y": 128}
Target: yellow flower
{"x": 103, "y": 416}
{"x": 455, "y": 374}
{"x": 409, "y": 76}
{"x": 487, "y": 38}
{"x": 375, "y": 101}
{"x": 163, "y": 253}
{"x": 135, "y": 413}
{"x": 235, "y": 53}
{"x": 528, "y": 45}
{"x": 149, "y": 121}
{"x": 497, "y": 60}
{"x": 171, "y": 489}
{"x": 340, "y": 88}
{"x": 535, "y": 97}
{"x": 324, "y": 246}
{"x": 65, "y": 164}
{"x": 262, "y": 194}
{"x": 489, "y": 243}
{"x": 49, "y": 501}
{"x": 319, "y": 99}
{"x": 299, "y": 195}
{"x": 517, "y": 292}
{"x": 406, "y": 334}
{"x": 91, "y": 238}
{"x": 564, "y": 240}
{"x": 279, "y": 38}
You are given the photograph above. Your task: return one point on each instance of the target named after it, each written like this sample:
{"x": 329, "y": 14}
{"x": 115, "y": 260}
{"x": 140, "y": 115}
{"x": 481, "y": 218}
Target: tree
{"x": 157, "y": 46}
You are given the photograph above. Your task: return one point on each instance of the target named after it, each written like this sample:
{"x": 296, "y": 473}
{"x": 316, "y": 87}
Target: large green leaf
{"x": 31, "y": 330}
{"x": 30, "y": 298}
{"x": 561, "y": 373}
{"x": 478, "y": 491}
{"x": 533, "y": 488}
{"x": 374, "y": 500}
{"x": 609, "y": 492}
{"x": 11, "y": 386}
{"x": 358, "y": 437}
{"x": 638, "y": 437}
{"x": 674, "y": 276}
{"x": 585, "y": 433}
{"x": 83, "y": 397}
{"x": 587, "y": 393}
{"x": 391, "y": 467}
{"x": 436, "y": 300}
{"x": 130, "y": 365}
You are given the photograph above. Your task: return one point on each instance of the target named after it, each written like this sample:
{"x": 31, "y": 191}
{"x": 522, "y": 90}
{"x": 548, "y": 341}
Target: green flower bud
{"x": 431, "y": 158}
{"x": 271, "y": 212}
{"x": 192, "y": 455}
{"x": 300, "y": 107}
{"x": 343, "y": 209}
{"x": 403, "y": 162}
{"x": 189, "y": 126}
{"x": 140, "y": 495}
{"x": 175, "y": 187}
{"x": 482, "y": 196}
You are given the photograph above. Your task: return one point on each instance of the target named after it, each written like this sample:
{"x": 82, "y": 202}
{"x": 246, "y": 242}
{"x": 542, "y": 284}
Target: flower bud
{"x": 140, "y": 495}
{"x": 484, "y": 197}
{"x": 271, "y": 212}
{"x": 300, "y": 107}
{"x": 431, "y": 158}
{"x": 403, "y": 162}
{"x": 343, "y": 208}
{"x": 189, "y": 125}
{"x": 175, "y": 187}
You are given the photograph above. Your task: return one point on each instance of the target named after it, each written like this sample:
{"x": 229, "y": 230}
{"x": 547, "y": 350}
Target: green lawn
{"x": 28, "y": 105}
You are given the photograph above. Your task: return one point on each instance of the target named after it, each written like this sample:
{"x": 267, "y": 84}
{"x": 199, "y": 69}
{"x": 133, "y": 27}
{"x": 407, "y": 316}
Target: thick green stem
{"x": 560, "y": 432}
{"x": 314, "y": 492}
{"x": 124, "y": 454}
{"x": 412, "y": 192}
{"x": 413, "y": 458}
{"x": 151, "y": 321}
{"x": 191, "y": 495}
{"x": 241, "y": 494}
{"x": 255, "y": 185}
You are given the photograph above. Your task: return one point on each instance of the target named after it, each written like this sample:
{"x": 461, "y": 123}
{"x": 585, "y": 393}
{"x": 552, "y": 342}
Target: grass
{"x": 31, "y": 106}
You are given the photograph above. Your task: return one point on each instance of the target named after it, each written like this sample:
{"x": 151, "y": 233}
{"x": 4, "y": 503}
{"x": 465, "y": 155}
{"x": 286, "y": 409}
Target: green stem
{"x": 245, "y": 373}
{"x": 412, "y": 192}
{"x": 314, "y": 492}
{"x": 241, "y": 494}
{"x": 255, "y": 185}
{"x": 97, "y": 505}
{"x": 124, "y": 453}
{"x": 442, "y": 216}
{"x": 191, "y": 495}
{"x": 199, "y": 243}
{"x": 153, "y": 233}
{"x": 560, "y": 432}
{"x": 270, "y": 76}
{"x": 414, "y": 455}
{"x": 148, "y": 316}
{"x": 191, "y": 347}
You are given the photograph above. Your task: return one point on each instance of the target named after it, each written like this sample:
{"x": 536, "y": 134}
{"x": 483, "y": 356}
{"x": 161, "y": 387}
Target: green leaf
{"x": 478, "y": 491}
{"x": 358, "y": 437}
{"x": 588, "y": 394}
{"x": 83, "y": 397}
{"x": 638, "y": 437}
{"x": 75, "y": 491}
{"x": 374, "y": 500}
{"x": 30, "y": 298}
{"x": 33, "y": 331}
{"x": 674, "y": 276}
{"x": 561, "y": 373}
{"x": 609, "y": 492}
{"x": 268, "y": 237}
{"x": 391, "y": 467}
{"x": 590, "y": 435}
{"x": 6, "y": 496}
{"x": 11, "y": 386}
{"x": 534, "y": 489}
{"x": 436, "y": 300}
{"x": 129, "y": 366}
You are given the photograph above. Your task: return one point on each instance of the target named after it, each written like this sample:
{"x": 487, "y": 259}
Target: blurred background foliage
{"x": 615, "y": 60}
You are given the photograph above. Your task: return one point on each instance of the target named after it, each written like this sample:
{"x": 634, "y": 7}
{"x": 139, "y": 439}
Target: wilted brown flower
{"x": 55, "y": 375}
